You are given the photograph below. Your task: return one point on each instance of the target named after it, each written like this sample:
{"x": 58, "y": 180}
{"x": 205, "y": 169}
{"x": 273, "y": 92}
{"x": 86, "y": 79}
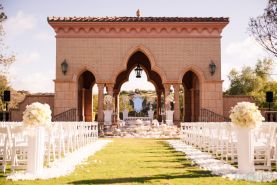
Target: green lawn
{"x": 136, "y": 161}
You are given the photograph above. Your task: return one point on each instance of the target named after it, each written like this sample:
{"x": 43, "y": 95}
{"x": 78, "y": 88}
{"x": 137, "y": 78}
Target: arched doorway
{"x": 140, "y": 58}
{"x": 86, "y": 82}
{"x": 191, "y": 91}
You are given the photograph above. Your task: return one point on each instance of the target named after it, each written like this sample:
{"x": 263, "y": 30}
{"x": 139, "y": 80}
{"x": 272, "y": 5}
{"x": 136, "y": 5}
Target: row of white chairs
{"x": 61, "y": 139}
{"x": 220, "y": 139}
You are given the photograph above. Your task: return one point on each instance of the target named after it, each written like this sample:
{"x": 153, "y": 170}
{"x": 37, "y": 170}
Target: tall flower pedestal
{"x": 108, "y": 117}
{"x": 151, "y": 114}
{"x": 169, "y": 117}
{"x": 35, "y": 156}
{"x": 125, "y": 114}
{"x": 245, "y": 150}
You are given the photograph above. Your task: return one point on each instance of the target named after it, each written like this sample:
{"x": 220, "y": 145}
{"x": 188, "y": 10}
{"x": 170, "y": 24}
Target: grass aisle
{"x": 136, "y": 161}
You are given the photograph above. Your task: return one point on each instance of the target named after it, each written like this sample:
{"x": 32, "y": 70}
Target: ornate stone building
{"x": 171, "y": 50}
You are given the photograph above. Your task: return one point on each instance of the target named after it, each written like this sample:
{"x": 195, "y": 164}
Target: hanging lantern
{"x": 138, "y": 71}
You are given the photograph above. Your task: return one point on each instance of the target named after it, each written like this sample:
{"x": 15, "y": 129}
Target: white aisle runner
{"x": 64, "y": 166}
{"x": 207, "y": 162}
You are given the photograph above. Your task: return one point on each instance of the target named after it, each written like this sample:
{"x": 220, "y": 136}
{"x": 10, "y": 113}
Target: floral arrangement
{"x": 169, "y": 99}
{"x": 125, "y": 100}
{"x": 37, "y": 114}
{"x": 108, "y": 99}
{"x": 246, "y": 115}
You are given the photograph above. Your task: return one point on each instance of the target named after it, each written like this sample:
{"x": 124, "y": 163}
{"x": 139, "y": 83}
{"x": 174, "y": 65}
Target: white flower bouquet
{"x": 37, "y": 114}
{"x": 246, "y": 115}
{"x": 108, "y": 99}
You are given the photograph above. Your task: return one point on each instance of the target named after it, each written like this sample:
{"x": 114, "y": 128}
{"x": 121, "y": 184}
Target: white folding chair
{"x": 19, "y": 148}
{"x": 5, "y": 148}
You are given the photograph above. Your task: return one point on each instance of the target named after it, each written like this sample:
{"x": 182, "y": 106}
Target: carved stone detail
{"x": 91, "y": 29}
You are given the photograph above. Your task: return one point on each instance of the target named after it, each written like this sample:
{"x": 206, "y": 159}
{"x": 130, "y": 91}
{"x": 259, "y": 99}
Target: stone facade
{"x": 173, "y": 47}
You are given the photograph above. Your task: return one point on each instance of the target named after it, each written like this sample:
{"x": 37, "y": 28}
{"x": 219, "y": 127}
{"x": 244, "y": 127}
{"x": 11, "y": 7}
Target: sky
{"x": 32, "y": 39}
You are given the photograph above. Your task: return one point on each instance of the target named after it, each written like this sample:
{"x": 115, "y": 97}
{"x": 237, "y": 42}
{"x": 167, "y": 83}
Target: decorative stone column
{"x": 110, "y": 89}
{"x": 100, "y": 117}
{"x": 92, "y": 105}
{"x": 116, "y": 102}
{"x": 110, "y": 92}
{"x": 159, "y": 103}
{"x": 168, "y": 111}
{"x": 109, "y": 112}
{"x": 176, "y": 105}
{"x": 88, "y": 105}
{"x": 83, "y": 103}
{"x": 187, "y": 105}
{"x": 192, "y": 104}
{"x": 166, "y": 93}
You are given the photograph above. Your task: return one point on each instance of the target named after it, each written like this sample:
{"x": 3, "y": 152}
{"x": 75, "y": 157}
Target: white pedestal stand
{"x": 151, "y": 114}
{"x": 169, "y": 117}
{"x": 245, "y": 150}
{"x": 36, "y": 150}
{"x": 108, "y": 117}
{"x": 125, "y": 114}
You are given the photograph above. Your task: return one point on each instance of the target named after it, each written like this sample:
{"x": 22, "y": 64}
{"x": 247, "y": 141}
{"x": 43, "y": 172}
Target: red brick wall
{"x": 231, "y": 101}
{"x": 16, "y": 114}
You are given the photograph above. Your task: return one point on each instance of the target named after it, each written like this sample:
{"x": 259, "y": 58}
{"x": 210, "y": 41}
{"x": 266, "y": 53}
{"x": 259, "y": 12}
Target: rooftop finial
{"x": 138, "y": 13}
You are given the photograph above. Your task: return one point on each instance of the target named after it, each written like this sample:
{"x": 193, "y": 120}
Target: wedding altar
{"x": 137, "y": 101}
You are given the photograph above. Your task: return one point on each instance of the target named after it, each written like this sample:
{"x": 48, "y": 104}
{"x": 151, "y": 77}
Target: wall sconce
{"x": 212, "y": 67}
{"x": 64, "y": 66}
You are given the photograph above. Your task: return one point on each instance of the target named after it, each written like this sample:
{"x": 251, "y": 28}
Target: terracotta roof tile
{"x": 137, "y": 19}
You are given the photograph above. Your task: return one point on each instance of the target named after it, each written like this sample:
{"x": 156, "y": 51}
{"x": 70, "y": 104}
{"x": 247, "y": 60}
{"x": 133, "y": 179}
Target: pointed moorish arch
{"x": 149, "y": 55}
{"x": 136, "y": 56}
{"x": 81, "y": 70}
{"x": 139, "y": 58}
{"x": 192, "y": 79}
{"x": 147, "y": 75}
{"x": 84, "y": 91}
{"x": 197, "y": 70}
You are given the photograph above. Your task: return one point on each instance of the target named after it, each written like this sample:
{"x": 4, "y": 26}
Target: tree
{"x": 3, "y": 86}
{"x": 243, "y": 82}
{"x": 264, "y": 28}
{"x": 6, "y": 59}
{"x": 253, "y": 81}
